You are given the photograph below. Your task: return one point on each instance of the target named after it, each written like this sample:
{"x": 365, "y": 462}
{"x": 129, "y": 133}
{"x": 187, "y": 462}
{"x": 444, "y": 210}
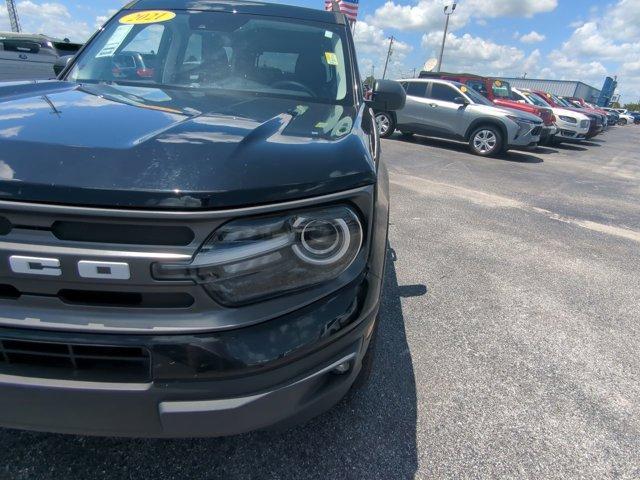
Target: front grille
{"x": 106, "y": 298}
{"x": 68, "y": 361}
{"x": 122, "y": 233}
{"x": 117, "y": 233}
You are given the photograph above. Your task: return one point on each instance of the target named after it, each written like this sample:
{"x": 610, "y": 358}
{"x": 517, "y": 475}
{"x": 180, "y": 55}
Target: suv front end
{"x": 97, "y": 353}
{"x": 191, "y": 255}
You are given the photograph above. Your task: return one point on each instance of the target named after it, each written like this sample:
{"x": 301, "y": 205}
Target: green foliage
{"x": 634, "y": 107}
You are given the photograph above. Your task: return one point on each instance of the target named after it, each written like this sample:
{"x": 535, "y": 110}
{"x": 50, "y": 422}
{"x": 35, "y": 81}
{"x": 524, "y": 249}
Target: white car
{"x": 572, "y": 126}
{"x": 625, "y": 118}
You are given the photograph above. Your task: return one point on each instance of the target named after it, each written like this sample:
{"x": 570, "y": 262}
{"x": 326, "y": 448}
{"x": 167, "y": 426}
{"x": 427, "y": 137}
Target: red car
{"x": 499, "y": 92}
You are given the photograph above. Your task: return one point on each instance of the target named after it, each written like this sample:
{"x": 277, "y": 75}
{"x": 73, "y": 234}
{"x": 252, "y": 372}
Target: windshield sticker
{"x": 148, "y": 16}
{"x": 332, "y": 58}
{"x": 464, "y": 89}
{"x": 115, "y": 41}
{"x": 497, "y": 83}
{"x": 328, "y": 33}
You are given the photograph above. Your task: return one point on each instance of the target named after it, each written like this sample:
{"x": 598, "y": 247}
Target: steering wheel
{"x": 127, "y": 63}
{"x": 297, "y": 86}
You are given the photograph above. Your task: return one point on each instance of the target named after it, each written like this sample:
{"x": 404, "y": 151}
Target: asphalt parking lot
{"x": 509, "y": 343}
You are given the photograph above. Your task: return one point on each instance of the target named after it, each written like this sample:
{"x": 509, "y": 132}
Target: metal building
{"x": 563, "y": 88}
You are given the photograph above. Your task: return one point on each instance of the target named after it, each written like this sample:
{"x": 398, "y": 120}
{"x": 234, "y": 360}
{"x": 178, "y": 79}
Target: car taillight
{"x": 145, "y": 72}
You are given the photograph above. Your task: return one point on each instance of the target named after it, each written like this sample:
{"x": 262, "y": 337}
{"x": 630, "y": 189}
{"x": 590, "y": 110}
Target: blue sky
{"x": 565, "y": 39}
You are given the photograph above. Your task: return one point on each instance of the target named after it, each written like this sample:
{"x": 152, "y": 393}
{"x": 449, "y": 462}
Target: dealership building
{"x": 562, "y": 88}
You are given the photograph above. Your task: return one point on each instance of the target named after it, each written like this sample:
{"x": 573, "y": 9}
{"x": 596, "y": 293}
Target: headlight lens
{"x": 568, "y": 119}
{"x": 247, "y": 260}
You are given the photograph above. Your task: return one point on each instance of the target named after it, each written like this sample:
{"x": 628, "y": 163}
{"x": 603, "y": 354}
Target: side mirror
{"x": 61, "y": 64}
{"x": 387, "y": 95}
{"x": 461, "y": 101}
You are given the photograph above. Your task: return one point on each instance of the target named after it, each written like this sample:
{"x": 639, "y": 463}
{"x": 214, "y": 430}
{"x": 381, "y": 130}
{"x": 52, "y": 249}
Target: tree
{"x": 634, "y": 107}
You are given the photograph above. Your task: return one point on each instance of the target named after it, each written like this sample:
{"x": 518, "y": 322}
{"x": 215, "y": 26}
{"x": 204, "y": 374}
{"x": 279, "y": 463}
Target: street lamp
{"x": 449, "y": 8}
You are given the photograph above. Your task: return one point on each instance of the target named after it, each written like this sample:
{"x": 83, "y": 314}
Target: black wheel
{"x": 623, "y": 121}
{"x": 386, "y": 124}
{"x": 486, "y": 141}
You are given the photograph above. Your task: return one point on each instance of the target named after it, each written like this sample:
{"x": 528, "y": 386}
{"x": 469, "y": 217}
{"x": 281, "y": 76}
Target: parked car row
{"x": 31, "y": 57}
{"x": 492, "y": 116}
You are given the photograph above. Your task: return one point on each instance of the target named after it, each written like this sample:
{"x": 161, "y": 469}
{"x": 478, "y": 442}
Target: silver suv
{"x": 445, "y": 109}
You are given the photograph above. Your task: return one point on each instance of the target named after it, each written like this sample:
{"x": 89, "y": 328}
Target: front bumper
{"x": 528, "y": 138}
{"x": 206, "y": 385}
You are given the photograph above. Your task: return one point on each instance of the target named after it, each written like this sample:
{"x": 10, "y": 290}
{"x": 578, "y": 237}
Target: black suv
{"x": 193, "y": 224}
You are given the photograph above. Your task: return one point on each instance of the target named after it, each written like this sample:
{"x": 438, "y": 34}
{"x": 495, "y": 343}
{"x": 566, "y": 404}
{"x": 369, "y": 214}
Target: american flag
{"x": 349, "y": 8}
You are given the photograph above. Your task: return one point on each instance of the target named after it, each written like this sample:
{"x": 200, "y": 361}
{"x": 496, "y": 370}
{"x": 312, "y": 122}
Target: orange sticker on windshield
{"x": 464, "y": 89}
{"x": 497, "y": 83}
{"x": 147, "y": 16}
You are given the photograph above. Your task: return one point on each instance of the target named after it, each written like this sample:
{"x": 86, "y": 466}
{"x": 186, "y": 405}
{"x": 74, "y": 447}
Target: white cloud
{"x": 532, "y": 37}
{"x": 475, "y": 54}
{"x": 372, "y": 45}
{"x": 424, "y": 15}
{"x": 102, "y": 19}
{"x": 428, "y": 14}
{"x": 49, "y": 18}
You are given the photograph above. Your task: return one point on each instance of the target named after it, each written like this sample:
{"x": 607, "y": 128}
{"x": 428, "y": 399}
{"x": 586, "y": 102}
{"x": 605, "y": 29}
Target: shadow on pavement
{"x": 545, "y": 150}
{"x": 571, "y": 146}
{"x": 370, "y": 434}
{"x": 453, "y": 145}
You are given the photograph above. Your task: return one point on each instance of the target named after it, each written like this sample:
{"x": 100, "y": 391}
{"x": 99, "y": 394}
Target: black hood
{"x": 120, "y": 146}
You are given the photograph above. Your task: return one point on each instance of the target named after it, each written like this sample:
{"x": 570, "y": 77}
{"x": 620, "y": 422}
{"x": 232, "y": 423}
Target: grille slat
{"x": 73, "y": 361}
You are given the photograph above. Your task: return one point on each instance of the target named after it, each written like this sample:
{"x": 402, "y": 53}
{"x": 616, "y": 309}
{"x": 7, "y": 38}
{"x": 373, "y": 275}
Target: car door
{"x": 412, "y": 116}
{"x": 447, "y": 116}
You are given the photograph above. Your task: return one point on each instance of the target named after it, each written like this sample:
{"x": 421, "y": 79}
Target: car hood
{"x": 108, "y": 145}
{"x": 569, "y": 113}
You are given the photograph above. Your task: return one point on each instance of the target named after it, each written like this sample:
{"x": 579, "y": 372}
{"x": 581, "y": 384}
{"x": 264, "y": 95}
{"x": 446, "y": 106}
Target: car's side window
{"x": 417, "y": 89}
{"x": 443, "y": 92}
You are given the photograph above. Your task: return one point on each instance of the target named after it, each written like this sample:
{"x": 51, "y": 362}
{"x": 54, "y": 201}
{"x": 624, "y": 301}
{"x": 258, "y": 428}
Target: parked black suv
{"x": 193, "y": 224}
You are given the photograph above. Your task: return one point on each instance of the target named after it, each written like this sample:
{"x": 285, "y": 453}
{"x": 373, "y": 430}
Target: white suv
{"x": 625, "y": 118}
{"x": 572, "y": 126}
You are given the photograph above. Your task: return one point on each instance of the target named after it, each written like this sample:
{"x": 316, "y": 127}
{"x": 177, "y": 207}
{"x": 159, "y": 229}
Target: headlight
{"x": 568, "y": 119}
{"x": 247, "y": 260}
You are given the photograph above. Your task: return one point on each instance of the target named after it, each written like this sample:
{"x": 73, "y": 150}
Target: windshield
{"x": 474, "y": 96}
{"x": 562, "y": 102}
{"x": 535, "y": 99}
{"x": 501, "y": 89}
{"x": 220, "y": 51}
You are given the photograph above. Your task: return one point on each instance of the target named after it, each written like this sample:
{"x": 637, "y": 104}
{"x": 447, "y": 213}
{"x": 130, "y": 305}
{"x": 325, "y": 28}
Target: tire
{"x": 386, "y": 124}
{"x": 486, "y": 141}
{"x": 622, "y": 121}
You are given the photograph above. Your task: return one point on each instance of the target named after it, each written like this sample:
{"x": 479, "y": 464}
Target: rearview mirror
{"x": 61, "y": 64}
{"x": 387, "y": 95}
{"x": 461, "y": 101}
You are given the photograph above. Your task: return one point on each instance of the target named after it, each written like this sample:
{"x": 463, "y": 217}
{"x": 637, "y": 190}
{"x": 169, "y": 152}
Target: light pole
{"x": 389, "y": 52}
{"x": 449, "y": 8}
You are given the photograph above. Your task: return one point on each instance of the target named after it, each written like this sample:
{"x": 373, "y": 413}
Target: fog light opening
{"x": 341, "y": 369}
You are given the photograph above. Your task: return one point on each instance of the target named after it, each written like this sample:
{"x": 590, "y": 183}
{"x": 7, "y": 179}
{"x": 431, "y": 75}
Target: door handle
{"x": 433, "y": 105}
